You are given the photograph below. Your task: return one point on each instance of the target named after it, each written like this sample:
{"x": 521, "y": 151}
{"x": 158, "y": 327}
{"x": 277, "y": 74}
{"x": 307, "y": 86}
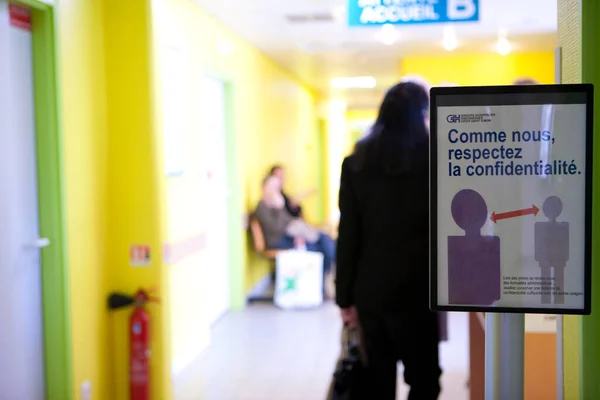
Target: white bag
{"x": 299, "y": 279}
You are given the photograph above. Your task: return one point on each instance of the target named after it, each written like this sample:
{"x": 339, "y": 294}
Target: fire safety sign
{"x": 139, "y": 255}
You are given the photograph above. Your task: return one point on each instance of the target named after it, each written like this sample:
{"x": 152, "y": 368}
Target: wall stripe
{"x": 178, "y": 251}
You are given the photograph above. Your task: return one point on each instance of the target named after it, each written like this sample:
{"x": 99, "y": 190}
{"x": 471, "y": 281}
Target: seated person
{"x": 283, "y": 231}
{"x": 291, "y": 204}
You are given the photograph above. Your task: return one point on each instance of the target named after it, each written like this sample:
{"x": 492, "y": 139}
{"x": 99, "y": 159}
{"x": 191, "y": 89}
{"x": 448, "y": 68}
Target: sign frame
{"x": 517, "y": 93}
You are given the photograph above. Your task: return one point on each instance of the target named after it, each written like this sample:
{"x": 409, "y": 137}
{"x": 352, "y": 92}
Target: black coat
{"x": 293, "y": 209}
{"x": 383, "y": 244}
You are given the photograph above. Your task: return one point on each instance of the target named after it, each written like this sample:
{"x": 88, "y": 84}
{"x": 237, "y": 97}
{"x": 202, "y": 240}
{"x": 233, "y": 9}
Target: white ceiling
{"x": 316, "y": 51}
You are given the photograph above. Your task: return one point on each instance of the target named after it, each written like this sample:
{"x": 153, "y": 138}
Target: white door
{"x": 21, "y": 341}
{"x": 217, "y": 196}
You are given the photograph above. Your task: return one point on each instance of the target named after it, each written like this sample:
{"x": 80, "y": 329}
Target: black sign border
{"x": 511, "y": 95}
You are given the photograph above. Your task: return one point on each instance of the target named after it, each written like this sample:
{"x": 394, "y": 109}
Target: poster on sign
{"x": 398, "y": 12}
{"x": 511, "y": 198}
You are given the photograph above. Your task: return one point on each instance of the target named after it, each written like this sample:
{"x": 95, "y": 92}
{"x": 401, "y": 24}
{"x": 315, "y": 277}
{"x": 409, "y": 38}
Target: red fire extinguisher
{"x": 139, "y": 341}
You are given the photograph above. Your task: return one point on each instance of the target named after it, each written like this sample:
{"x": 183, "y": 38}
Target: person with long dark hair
{"x": 382, "y": 275}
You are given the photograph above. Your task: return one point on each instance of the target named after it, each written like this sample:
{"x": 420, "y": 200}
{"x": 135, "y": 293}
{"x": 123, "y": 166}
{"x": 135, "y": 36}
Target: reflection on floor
{"x": 263, "y": 353}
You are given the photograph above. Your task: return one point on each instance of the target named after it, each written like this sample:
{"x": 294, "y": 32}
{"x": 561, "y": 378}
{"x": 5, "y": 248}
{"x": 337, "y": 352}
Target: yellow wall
{"x": 338, "y": 144}
{"x": 274, "y": 121}
{"x": 111, "y": 190}
{"x": 356, "y": 119}
{"x": 81, "y": 65}
{"x": 361, "y": 115}
{"x": 134, "y": 188}
{"x": 482, "y": 69}
{"x": 275, "y": 116}
{"x": 116, "y": 189}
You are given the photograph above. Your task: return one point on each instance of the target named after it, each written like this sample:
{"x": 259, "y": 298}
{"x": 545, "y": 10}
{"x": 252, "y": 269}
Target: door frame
{"x": 58, "y": 369}
{"x": 231, "y": 182}
{"x": 235, "y": 231}
{"x": 321, "y": 168}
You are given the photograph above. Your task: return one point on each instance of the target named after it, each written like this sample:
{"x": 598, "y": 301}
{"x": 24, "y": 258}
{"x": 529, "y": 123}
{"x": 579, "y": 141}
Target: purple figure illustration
{"x": 473, "y": 260}
{"x": 552, "y": 250}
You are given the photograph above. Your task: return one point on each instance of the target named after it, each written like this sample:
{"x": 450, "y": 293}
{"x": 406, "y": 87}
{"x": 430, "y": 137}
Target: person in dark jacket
{"x": 382, "y": 275}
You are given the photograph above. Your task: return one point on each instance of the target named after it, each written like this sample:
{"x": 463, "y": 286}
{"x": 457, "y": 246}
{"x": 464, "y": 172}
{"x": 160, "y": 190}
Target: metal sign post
{"x": 504, "y": 356}
{"x": 560, "y": 391}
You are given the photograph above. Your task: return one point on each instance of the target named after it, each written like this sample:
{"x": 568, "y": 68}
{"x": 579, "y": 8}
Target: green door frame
{"x": 55, "y": 308}
{"x": 321, "y": 168}
{"x": 235, "y": 235}
{"x": 589, "y": 346}
{"x": 234, "y": 214}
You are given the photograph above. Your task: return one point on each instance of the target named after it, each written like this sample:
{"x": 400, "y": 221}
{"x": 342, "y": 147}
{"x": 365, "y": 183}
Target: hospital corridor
{"x": 238, "y": 199}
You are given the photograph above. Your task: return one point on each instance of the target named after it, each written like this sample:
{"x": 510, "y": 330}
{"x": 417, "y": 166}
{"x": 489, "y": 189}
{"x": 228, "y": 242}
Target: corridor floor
{"x": 263, "y": 353}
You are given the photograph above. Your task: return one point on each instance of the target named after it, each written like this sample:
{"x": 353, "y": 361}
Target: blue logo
{"x": 399, "y": 12}
{"x": 453, "y": 118}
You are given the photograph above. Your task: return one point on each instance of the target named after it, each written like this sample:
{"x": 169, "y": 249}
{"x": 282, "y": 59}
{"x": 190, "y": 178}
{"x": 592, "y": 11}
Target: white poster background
{"x": 509, "y": 193}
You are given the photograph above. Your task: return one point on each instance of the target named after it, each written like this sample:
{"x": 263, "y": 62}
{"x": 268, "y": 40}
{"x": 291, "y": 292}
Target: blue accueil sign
{"x": 398, "y": 12}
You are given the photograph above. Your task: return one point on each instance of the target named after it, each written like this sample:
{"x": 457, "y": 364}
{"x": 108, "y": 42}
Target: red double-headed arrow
{"x": 514, "y": 214}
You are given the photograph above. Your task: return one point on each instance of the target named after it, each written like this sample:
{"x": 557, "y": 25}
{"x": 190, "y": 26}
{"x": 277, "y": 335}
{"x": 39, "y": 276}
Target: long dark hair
{"x": 398, "y": 139}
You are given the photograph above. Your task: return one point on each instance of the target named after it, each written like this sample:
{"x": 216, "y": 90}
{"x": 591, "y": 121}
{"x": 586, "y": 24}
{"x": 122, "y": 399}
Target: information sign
{"x": 511, "y": 198}
{"x": 401, "y": 12}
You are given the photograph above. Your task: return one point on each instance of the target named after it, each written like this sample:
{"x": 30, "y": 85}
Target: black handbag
{"x": 348, "y": 377}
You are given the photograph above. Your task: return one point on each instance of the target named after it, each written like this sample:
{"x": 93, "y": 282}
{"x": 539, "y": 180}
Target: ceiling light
{"x": 503, "y": 46}
{"x": 339, "y": 12}
{"x": 388, "y": 29}
{"x": 449, "y": 41}
{"x": 357, "y": 82}
{"x": 388, "y": 34}
{"x": 450, "y": 44}
{"x": 224, "y": 47}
